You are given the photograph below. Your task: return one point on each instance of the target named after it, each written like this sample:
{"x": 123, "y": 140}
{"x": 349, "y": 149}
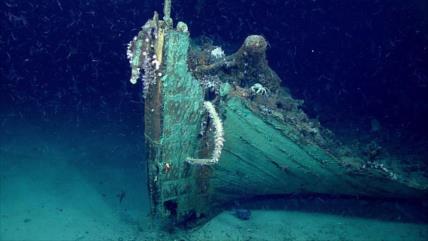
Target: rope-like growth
{"x": 218, "y": 137}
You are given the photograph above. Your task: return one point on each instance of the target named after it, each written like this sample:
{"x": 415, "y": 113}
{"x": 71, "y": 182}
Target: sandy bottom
{"x": 57, "y": 188}
{"x": 289, "y": 225}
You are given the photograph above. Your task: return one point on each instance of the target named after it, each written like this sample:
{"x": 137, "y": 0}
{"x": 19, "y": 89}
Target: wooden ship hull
{"x": 268, "y": 149}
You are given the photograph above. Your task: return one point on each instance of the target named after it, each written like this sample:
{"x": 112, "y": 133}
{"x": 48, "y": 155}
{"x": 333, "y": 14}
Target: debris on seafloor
{"x": 242, "y": 213}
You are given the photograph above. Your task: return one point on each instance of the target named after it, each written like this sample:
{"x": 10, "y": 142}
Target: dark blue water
{"x": 65, "y": 93}
{"x": 349, "y": 62}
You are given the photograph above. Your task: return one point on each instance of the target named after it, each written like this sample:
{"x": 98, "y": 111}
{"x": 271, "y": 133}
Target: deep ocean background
{"x": 350, "y": 61}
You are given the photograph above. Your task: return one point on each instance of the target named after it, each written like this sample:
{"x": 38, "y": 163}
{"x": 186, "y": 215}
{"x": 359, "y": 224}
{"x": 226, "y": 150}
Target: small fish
{"x": 121, "y": 196}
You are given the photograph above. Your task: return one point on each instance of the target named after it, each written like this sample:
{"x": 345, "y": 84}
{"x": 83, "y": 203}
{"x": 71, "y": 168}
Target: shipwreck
{"x": 220, "y": 128}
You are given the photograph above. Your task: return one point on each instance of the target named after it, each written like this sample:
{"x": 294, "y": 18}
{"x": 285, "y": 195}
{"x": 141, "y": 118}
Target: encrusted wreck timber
{"x": 248, "y": 64}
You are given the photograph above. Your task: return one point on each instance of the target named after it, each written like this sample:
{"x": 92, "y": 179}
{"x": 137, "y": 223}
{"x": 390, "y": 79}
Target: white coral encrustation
{"x": 218, "y": 53}
{"x": 218, "y": 137}
{"x": 219, "y": 132}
